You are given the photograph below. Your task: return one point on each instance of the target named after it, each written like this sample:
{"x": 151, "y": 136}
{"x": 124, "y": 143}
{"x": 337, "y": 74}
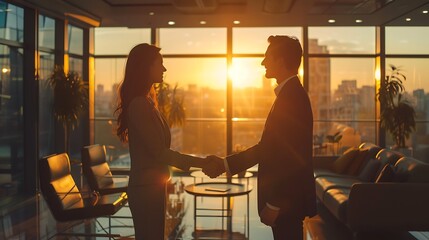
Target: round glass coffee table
{"x": 200, "y": 174}
{"x": 222, "y": 190}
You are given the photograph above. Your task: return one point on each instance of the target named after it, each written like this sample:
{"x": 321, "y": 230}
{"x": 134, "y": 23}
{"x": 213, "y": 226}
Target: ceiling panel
{"x": 250, "y": 13}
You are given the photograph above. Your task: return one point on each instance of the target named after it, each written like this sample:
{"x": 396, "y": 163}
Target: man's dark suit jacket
{"x": 284, "y": 155}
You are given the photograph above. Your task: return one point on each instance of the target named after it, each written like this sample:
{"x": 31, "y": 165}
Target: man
{"x": 286, "y": 192}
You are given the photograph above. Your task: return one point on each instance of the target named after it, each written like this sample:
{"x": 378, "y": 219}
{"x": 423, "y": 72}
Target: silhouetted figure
{"x": 286, "y": 190}
{"x": 144, "y": 128}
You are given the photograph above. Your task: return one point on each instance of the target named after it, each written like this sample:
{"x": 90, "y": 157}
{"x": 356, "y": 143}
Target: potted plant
{"x": 70, "y": 100}
{"x": 397, "y": 114}
{"x": 170, "y": 104}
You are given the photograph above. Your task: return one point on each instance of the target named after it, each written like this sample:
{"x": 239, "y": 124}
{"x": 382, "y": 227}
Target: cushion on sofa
{"x": 387, "y": 174}
{"x": 369, "y": 171}
{"x": 409, "y": 169}
{"x": 387, "y": 156}
{"x": 356, "y": 164}
{"x": 342, "y": 163}
{"x": 325, "y": 183}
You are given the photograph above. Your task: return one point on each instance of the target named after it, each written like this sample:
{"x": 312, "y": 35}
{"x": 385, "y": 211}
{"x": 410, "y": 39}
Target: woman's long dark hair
{"x": 136, "y": 83}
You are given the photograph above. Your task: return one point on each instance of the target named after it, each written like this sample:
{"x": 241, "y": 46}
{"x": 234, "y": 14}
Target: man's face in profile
{"x": 272, "y": 63}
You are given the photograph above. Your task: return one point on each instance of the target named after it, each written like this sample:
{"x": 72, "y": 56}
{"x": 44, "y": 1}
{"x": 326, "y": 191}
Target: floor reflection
{"x": 206, "y": 227}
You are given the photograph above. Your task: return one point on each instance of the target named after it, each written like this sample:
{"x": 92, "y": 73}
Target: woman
{"x": 145, "y": 129}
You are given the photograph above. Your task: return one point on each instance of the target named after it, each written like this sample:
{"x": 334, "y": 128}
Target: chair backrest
{"x": 95, "y": 167}
{"x": 57, "y": 184}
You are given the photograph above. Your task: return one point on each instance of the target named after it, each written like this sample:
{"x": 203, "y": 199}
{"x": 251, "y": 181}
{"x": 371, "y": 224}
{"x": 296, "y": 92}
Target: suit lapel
{"x": 280, "y": 97}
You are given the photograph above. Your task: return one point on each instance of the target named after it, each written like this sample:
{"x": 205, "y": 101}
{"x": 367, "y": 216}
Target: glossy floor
{"x": 321, "y": 227}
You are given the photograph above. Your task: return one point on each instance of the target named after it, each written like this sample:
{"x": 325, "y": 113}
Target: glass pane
{"x": 419, "y": 140}
{"x": 343, "y": 40}
{"x": 201, "y": 138}
{"x": 46, "y": 119}
{"x": 193, "y": 40}
{"x": 46, "y": 32}
{"x": 407, "y": 40}
{"x": 75, "y": 40}
{"x": 11, "y": 121}
{"x": 76, "y": 65}
{"x": 352, "y": 134}
{"x": 108, "y": 74}
{"x": 254, "y": 40}
{"x": 246, "y": 133}
{"x": 105, "y": 134}
{"x": 253, "y": 94}
{"x": 203, "y": 82}
{"x": 342, "y": 90}
{"x": 416, "y": 84}
{"x": 416, "y": 87}
{"x": 11, "y": 22}
{"x": 111, "y": 41}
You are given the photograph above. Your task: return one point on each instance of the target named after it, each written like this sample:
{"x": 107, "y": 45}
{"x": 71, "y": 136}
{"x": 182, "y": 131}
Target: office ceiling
{"x": 250, "y": 13}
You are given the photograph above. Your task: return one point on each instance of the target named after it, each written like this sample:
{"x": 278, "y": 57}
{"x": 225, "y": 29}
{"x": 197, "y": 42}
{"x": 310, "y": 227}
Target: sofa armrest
{"x": 399, "y": 206}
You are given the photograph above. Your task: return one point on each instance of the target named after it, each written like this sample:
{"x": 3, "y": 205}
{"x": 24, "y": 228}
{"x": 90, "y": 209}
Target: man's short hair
{"x": 288, "y": 48}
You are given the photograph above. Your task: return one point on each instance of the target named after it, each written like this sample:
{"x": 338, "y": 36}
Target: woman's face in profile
{"x": 157, "y": 70}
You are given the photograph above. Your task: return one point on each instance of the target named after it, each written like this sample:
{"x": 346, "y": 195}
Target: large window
{"x": 46, "y": 65}
{"x": 341, "y": 82}
{"x": 201, "y": 79}
{"x": 342, "y": 87}
{"x": 253, "y": 94}
{"x": 406, "y": 49}
{"x": 416, "y": 93}
{"x": 111, "y": 48}
{"x": 11, "y": 101}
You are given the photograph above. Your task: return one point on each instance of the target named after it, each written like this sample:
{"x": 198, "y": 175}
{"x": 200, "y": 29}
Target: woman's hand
{"x": 214, "y": 166}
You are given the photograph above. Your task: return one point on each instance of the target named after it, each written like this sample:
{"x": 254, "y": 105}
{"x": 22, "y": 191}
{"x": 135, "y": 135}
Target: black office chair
{"x": 97, "y": 171}
{"x": 67, "y": 203}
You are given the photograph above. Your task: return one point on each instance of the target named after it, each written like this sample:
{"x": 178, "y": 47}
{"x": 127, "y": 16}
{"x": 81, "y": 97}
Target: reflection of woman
{"x": 145, "y": 129}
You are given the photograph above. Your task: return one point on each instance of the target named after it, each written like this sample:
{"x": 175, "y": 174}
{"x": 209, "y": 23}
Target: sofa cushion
{"x": 325, "y": 183}
{"x": 387, "y": 156}
{"x": 409, "y": 169}
{"x": 369, "y": 171}
{"x": 342, "y": 163}
{"x": 357, "y": 162}
{"x": 335, "y": 200}
{"x": 387, "y": 174}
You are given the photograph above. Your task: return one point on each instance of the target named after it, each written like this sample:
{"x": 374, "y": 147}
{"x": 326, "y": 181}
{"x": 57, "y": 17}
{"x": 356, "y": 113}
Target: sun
{"x": 245, "y": 74}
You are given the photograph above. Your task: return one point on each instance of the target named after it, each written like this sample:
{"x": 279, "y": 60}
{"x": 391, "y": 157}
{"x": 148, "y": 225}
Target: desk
{"x": 220, "y": 190}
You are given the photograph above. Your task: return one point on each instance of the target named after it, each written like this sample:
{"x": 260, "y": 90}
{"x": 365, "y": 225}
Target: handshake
{"x": 213, "y": 166}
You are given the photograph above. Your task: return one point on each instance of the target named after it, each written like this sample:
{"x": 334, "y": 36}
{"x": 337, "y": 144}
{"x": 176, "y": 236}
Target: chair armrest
{"x": 114, "y": 176}
{"x": 120, "y": 171}
{"x": 399, "y": 206}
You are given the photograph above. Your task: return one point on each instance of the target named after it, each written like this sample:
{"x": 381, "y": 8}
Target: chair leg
{"x": 87, "y": 234}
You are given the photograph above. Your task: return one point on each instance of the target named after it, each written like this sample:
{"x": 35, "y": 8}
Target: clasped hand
{"x": 214, "y": 166}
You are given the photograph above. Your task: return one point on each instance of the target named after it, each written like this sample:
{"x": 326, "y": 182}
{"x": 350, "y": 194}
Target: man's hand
{"x": 269, "y": 216}
{"x": 214, "y": 167}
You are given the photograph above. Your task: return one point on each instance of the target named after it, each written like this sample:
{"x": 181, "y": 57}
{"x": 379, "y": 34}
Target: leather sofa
{"x": 385, "y": 191}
